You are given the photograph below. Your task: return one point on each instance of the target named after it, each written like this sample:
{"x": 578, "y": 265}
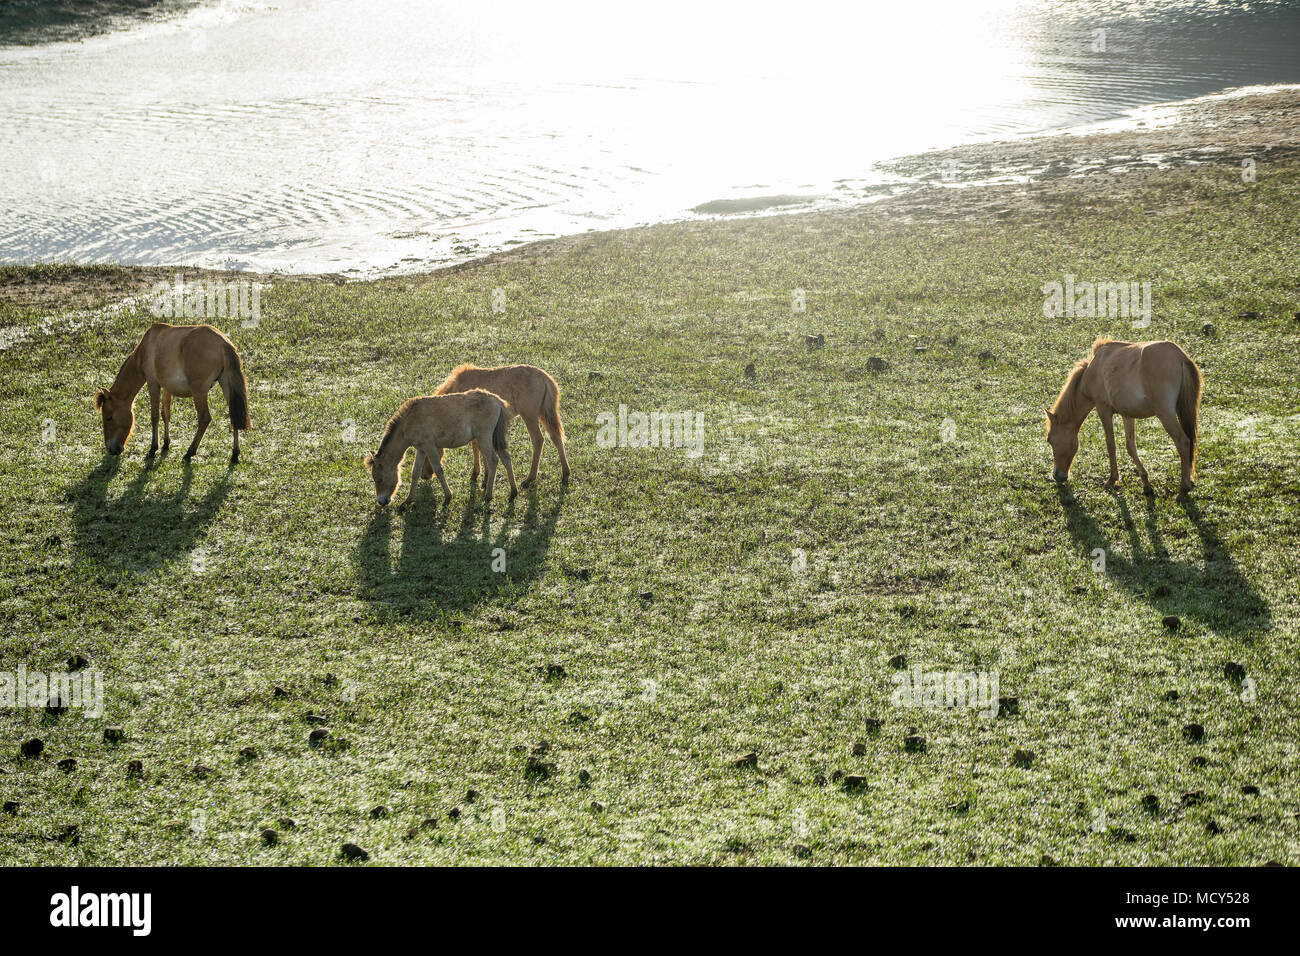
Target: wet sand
{"x": 1109, "y": 160}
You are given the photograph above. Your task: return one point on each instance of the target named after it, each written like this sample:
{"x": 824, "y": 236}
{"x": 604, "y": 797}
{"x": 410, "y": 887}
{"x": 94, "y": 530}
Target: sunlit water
{"x": 367, "y": 136}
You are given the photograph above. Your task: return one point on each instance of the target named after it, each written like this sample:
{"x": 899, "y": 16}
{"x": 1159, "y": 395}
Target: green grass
{"x": 961, "y": 555}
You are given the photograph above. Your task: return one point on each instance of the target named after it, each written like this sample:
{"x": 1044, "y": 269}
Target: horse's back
{"x": 454, "y": 419}
{"x": 522, "y": 388}
{"x": 1142, "y": 378}
{"x": 1150, "y": 356}
{"x": 1165, "y": 353}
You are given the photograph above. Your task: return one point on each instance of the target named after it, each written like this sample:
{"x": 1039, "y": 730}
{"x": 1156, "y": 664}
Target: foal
{"x": 529, "y": 393}
{"x": 436, "y": 422}
{"x": 1137, "y": 380}
{"x": 175, "y": 360}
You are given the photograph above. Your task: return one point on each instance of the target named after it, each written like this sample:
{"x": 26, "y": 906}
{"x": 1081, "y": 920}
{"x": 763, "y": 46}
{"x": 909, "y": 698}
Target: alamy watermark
{"x": 651, "y": 430}
{"x": 1098, "y": 300}
{"x": 208, "y": 299}
{"x": 947, "y": 690}
{"x": 82, "y": 689}
{"x": 130, "y": 910}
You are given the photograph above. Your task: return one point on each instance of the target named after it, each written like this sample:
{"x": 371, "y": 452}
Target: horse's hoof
{"x": 446, "y": 501}
{"x": 1148, "y": 491}
{"x": 513, "y": 495}
{"x": 527, "y": 481}
{"x": 151, "y": 452}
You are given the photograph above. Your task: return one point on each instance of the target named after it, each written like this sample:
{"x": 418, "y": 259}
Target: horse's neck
{"x": 130, "y": 377}
{"x": 1080, "y": 402}
{"x": 397, "y": 443}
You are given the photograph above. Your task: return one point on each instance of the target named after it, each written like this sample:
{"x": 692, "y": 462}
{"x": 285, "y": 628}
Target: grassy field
{"x": 667, "y": 613}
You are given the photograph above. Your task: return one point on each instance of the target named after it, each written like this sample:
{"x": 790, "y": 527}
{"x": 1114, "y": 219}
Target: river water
{"x": 376, "y": 136}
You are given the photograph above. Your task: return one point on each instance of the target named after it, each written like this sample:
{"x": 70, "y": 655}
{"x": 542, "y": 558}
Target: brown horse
{"x": 529, "y": 393}
{"x": 182, "y": 361}
{"x": 436, "y": 422}
{"x": 1137, "y": 380}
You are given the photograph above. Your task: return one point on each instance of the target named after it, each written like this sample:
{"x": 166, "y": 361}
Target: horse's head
{"x": 119, "y": 420}
{"x": 1065, "y": 445}
{"x": 386, "y": 477}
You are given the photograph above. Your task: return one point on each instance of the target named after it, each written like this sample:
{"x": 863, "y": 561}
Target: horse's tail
{"x": 1189, "y": 404}
{"x": 236, "y": 383}
{"x": 499, "y": 433}
{"x": 550, "y": 411}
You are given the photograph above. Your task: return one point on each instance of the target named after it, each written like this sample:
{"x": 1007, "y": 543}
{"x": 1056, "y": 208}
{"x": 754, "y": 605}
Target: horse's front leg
{"x": 436, "y": 460}
{"x": 1107, "y": 416}
{"x": 416, "y": 474}
{"x": 154, "y": 390}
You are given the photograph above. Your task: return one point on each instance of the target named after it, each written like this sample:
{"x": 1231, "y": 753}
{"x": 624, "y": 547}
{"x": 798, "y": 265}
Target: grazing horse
{"x": 529, "y": 393}
{"x": 436, "y": 422}
{"x": 1137, "y": 380}
{"x": 181, "y": 361}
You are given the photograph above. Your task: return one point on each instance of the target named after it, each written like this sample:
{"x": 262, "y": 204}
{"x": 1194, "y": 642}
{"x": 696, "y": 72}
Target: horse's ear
{"x": 100, "y": 396}
{"x": 1050, "y": 417}
{"x": 368, "y": 461}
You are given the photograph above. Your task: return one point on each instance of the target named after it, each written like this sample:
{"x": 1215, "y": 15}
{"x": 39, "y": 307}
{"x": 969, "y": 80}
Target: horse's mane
{"x": 1065, "y": 401}
{"x": 1069, "y": 392}
{"x": 450, "y": 381}
{"x": 391, "y": 428}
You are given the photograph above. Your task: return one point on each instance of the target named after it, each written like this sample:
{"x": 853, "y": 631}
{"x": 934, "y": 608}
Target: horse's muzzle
{"x": 1060, "y": 477}
{"x": 114, "y": 448}
{"x": 383, "y": 499}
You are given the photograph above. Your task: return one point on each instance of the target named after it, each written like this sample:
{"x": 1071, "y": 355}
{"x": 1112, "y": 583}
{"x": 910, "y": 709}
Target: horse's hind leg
{"x": 225, "y": 390}
{"x": 200, "y": 403}
{"x": 167, "y": 419}
{"x": 154, "y": 391}
{"x": 1174, "y": 427}
{"x": 535, "y": 433}
{"x": 1130, "y": 442}
{"x": 489, "y": 470}
{"x": 556, "y": 437}
{"x": 510, "y": 472}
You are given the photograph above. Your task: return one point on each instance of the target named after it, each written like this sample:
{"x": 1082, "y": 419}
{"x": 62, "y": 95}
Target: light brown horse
{"x": 1137, "y": 380}
{"x": 182, "y": 361}
{"x": 529, "y": 393}
{"x": 436, "y": 422}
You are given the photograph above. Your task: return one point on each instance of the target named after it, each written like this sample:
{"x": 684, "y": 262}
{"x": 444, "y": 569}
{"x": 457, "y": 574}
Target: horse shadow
{"x": 135, "y": 531}
{"x": 1217, "y": 594}
{"x": 440, "y": 568}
